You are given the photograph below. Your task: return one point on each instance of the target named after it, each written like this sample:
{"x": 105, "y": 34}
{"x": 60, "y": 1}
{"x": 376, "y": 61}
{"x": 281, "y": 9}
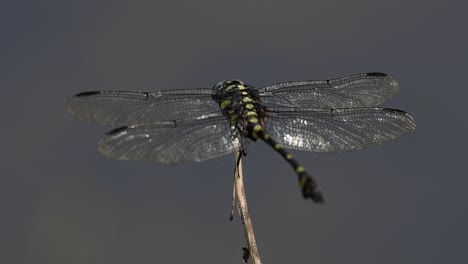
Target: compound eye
{"x": 238, "y": 81}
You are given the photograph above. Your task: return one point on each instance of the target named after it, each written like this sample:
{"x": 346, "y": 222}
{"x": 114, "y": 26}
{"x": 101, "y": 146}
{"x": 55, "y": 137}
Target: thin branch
{"x": 252, "y": 249}
{"x": 238, "y": 159}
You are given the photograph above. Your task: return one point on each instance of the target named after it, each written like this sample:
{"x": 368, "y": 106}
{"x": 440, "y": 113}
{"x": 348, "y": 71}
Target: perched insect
{"x": 192, "y": 125}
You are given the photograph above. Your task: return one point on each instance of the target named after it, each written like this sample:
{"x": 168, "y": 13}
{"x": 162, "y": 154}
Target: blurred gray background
{"x": 61, "y": 201}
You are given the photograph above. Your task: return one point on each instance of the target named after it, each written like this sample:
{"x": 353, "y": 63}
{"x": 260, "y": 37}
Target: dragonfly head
{"x": 225, "y": 84}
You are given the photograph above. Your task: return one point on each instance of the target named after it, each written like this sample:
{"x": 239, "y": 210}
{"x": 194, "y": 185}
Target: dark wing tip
{"x": 394, "y": 110}
{"x": 72, "y": 105}
{"x": 91, "y": 93}
{"x": 73, "y": 99}
{"x": 117, "y": 130}
{"x": 390, "y": 83}
{"x": 410, "y": 122}
{"x": 377, "y": 74}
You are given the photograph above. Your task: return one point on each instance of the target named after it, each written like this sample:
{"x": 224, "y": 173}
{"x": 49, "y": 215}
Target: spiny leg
{"x": 308, "y": 185}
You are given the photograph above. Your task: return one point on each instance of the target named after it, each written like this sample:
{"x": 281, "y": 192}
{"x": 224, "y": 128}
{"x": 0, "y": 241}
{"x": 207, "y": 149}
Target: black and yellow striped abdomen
{"x": 308, "y": 185}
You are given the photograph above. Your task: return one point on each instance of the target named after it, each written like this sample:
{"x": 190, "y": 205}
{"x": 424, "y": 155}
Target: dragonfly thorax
{"x": 240, "y": 103}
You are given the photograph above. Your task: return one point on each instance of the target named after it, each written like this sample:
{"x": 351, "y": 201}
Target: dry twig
{"x": 251, "y": 250}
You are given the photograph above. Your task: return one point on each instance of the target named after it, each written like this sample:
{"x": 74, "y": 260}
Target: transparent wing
{"x": 337, "y": 130}
{"x": 171, "y": 142}
{"x": 360, "y": 90}
{"x": 120, "y": 108}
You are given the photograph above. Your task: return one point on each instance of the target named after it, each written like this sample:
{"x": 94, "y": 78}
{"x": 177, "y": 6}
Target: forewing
{"x": 171, "y": 142}
{"x": 120, "y": 108}
{"x": 360, "y": 90}
{"x": 337, "y": 130}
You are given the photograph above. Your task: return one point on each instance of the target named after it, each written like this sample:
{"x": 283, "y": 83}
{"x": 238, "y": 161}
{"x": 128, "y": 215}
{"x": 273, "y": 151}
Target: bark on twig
{"x": 244, "y": 214}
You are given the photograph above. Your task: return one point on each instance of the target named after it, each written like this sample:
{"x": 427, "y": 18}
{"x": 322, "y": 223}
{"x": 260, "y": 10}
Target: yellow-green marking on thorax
{"x": 225, "y": 103}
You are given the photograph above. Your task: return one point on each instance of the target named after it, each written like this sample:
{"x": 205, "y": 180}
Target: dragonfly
{"x": 193, "y": 125}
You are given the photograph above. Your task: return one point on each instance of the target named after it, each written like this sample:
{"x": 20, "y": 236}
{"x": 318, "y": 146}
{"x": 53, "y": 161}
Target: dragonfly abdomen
{"x": 308, "y": 185}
